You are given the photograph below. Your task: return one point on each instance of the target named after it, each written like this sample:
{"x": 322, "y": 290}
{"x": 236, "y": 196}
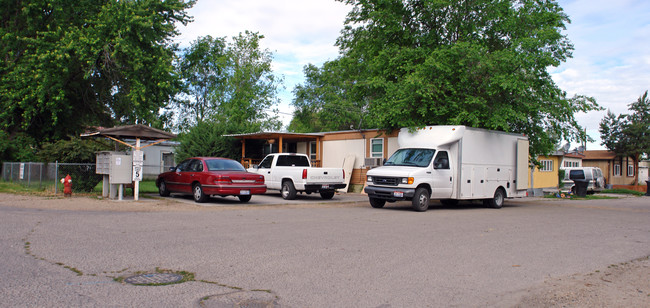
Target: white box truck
{"x": 451, "y": 163}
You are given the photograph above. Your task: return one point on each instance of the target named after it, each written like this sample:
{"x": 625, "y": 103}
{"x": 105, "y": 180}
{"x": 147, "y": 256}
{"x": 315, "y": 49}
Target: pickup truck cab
{"x": 291, "y": 173}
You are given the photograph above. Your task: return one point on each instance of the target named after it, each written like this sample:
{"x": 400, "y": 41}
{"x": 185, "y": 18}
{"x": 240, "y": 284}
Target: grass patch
{"x": 146, "y": 186}
{"x": 47, "y": 189}
{"x": 622, "y": 192}
{"x": 19, "y": 189}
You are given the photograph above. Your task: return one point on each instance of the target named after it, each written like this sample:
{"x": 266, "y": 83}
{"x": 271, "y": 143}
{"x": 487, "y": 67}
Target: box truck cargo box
{"x": 452, "y": 163}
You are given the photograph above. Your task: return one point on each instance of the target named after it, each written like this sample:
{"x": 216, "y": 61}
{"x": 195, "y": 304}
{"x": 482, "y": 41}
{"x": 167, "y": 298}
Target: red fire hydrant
{"x": 67, "y": 186}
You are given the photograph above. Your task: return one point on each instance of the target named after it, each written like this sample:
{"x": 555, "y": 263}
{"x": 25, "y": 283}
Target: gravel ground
{"x": 619, "y": 285}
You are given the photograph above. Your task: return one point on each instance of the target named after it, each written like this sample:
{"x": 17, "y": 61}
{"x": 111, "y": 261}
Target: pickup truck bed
{"x": 292, "y": 173}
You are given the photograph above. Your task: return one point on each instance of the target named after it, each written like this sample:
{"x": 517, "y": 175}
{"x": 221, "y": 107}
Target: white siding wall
{"x": 392, "y": 146}
{"x": 335, "y": 151}
{"x": 301, "y": 147}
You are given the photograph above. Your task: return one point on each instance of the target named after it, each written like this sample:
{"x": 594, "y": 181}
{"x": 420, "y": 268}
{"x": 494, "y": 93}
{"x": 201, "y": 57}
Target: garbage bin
{"x": 581, "y": 187}
{"x": 647, "y": 192}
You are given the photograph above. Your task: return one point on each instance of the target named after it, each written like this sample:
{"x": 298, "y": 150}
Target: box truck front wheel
{"x": 377, "y": 203}
{"x": 496, "y": 201}
{"x": 420, "y": 200}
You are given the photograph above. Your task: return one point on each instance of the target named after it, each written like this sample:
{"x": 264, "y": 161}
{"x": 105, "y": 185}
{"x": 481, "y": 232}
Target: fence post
{"x": 40, "y": 176}
{"x": 29, "y": 174}
{"x": 56, "y": 177}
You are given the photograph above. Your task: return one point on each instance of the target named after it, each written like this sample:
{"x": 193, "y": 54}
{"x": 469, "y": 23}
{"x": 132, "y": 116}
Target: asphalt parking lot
{"x": 312, "y": 253}
{"x": 272, "y": 198}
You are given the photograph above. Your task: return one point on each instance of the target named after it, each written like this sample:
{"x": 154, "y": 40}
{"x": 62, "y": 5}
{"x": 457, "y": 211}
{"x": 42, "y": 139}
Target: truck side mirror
{"x": 256, "y": 167}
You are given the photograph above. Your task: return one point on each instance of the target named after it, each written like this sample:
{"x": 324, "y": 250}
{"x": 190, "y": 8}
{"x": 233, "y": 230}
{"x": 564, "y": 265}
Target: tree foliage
{"x": 67, "y": 65}
{"x": 628, "y": 135}
{"x": 328, "y": 101}
{"x": 228, "y": 81}
{"x": 230, "y": 88}
{"x": 481, "y": 63}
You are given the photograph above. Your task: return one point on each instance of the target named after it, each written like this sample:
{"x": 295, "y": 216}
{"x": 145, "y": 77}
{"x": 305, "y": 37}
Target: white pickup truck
{"x": 291, "y": 173}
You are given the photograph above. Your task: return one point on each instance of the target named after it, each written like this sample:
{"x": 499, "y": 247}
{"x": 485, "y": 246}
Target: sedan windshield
{"x": 224, "y": 165}
{"x": 411, "y": 157}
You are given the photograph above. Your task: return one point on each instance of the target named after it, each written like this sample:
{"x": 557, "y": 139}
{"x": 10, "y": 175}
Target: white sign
{"x": 22, "y": 171}
{"x": 118, "y": 161}
{"x": 137, "y": 173}
{"x": 138, "y": 156}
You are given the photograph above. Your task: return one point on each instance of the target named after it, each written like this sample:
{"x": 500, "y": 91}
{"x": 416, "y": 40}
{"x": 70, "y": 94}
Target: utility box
{"x": 116, "y": 167}
{"x": 103, "y": 162}
{"x": 121, "y": 168}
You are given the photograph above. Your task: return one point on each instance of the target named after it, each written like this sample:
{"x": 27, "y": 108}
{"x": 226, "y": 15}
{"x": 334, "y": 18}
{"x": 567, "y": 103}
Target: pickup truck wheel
{"x": 496, "y": 201}
{"x": 327, "y": 194}
{"x": 420, "y": 200}
{"x": 288, "y": 191}
{"x": 377, "y": 203}
{"x": 162, "y": 189}
{"x": 198, "y": 194}
{"x": 244, "y": 198}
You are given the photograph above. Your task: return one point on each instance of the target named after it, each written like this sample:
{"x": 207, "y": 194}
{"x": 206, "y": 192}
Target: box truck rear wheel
{"x": 496, "y": 201}
{"x": 377, "y": 203}
{"x": 420, "y": 200}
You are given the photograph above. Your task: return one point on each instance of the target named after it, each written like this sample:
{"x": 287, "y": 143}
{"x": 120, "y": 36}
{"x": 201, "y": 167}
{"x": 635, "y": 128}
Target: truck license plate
{"x": 325, "y": 186}
{"x": 244, "y": 192}
{"x": 398, "y": 194}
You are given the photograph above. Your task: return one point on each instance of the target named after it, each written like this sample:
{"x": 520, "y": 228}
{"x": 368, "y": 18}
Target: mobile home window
{"x": 377, "y": 147}
{"x": 547, "y": 165}
{"x": 312, "y": 150}
{"x": 630, "y": 170}
{"x": 617, "y": 170}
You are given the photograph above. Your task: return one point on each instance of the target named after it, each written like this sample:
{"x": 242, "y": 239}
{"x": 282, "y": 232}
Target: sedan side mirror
{"x": 172, "y": 168}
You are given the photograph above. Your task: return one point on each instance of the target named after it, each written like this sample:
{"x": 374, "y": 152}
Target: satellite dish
{"x": 566, "y": 147}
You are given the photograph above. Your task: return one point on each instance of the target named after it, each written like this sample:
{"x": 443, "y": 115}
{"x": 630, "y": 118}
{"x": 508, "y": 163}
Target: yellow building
{"x": 547, "y": 177}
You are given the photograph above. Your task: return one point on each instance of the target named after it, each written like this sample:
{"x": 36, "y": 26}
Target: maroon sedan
{"x": 205, "y": 176}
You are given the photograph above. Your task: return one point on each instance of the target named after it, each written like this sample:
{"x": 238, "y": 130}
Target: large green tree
{"x": 228, "y": 80}
{"x": 481, "y": 63}
{"x": 628, "y": 135}
{"x": 230, "y": 88}
{"x": 328, "y": 101}
{"x": 67, "y": 65}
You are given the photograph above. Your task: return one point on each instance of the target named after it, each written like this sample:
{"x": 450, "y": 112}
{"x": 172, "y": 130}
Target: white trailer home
{"x": 452, "y": 163}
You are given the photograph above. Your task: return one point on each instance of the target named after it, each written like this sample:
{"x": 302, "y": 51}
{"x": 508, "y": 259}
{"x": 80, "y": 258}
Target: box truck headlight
{"x": 407, "y": 181}
{"x": 368, "y": 178}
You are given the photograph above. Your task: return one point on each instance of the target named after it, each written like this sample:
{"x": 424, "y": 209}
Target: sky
{"x": 611, "y": 57}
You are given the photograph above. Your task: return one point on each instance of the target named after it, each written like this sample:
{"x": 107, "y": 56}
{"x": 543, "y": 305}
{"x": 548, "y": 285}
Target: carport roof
{"x": 272, "y": 135}
{"x": 133, "y": 131}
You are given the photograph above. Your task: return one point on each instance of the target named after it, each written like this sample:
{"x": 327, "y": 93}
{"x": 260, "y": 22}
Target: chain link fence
{"x": 47, "y": 175}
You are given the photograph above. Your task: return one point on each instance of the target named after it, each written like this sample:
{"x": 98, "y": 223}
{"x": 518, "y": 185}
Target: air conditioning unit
{"x": 372, "y": 161}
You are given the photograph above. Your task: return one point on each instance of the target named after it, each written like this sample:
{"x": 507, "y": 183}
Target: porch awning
{"x": 292, "y": 137}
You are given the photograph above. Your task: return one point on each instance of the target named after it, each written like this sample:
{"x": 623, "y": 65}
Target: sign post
{"x": 138, "y": 163}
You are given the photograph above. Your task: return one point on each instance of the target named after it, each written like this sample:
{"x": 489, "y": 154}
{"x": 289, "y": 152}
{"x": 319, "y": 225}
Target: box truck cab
{"x": 451, "y": 163}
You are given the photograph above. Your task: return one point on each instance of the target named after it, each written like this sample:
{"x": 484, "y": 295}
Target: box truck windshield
{"x": 411, "y": 157}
